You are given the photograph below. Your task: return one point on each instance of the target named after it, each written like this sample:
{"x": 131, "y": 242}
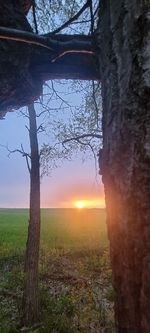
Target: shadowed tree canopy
{"x": 28, "y": 59}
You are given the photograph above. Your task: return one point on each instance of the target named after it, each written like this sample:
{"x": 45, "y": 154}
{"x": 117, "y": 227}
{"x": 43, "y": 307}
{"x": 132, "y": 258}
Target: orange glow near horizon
{"x": 93, "y": 203}
{"x": 80, "y": 204}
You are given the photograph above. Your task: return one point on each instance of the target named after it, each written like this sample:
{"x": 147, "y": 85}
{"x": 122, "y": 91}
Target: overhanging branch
{"x": 83, "y": 136}
{"x": 55, "y": 57}
{"x": 55, "y": 44}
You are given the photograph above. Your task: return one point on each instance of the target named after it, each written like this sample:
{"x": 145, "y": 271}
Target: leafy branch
{"x": 78, "y": 137}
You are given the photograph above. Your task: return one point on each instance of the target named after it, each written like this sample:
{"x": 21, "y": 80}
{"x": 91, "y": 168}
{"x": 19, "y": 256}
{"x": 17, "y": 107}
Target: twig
{"x": 41, "y": 128}
{"x": 58, "y": 96}
{"x": 24, "y": 114}
{"x": 20, "y": 151}
{"x": 95, "y": 102}
{"x": 92, "y": 17}
{"x": 78, "y": 137}
{"x": 75, "y": 17}
{"x": 34, "y": 16}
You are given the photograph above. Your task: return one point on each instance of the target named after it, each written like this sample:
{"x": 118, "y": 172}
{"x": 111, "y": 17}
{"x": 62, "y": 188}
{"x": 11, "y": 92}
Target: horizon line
{"x": 54, "y": 208}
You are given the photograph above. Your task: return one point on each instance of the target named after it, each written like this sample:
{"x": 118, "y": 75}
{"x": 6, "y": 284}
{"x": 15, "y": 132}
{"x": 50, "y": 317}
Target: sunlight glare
{"x": 95, "y": 203}
{"x": 80, "y": 204}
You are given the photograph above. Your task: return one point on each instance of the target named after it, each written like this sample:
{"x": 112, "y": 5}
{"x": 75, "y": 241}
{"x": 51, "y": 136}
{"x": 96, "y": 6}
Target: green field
{"x": 76, "y": 294}
{"x": 60, "y": 229}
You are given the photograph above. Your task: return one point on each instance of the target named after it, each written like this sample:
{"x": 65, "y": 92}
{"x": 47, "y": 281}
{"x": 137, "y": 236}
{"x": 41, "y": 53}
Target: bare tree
{"x": 30, "y": 296}
{"x": 30, "y": 302}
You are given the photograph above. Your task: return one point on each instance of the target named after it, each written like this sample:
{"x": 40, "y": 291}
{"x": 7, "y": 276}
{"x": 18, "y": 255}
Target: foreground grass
{"x": 76, "y": 295}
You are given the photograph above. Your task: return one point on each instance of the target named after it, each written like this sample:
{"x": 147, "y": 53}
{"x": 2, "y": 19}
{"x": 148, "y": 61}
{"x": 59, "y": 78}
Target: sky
{"x": 73, "y": 181}
{"x": 69, "y": 184}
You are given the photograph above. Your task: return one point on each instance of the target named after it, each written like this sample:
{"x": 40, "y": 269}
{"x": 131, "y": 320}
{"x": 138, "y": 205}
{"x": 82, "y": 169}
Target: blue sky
{"x": 73, "y": 180}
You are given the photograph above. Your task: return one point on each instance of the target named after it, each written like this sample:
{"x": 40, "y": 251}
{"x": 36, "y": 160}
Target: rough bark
{"x": 30, "y": 296}
{"x": 123, "y": 37}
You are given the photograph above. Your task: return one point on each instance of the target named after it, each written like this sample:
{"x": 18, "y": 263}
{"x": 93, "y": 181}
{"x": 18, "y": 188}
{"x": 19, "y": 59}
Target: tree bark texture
{"x": 30, "y": 297}
{"x": 123, "y": 38}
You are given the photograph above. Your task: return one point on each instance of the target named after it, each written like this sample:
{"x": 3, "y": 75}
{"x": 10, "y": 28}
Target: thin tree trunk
{"x": 124, "y": 44}
{"x": 30, "y": 297}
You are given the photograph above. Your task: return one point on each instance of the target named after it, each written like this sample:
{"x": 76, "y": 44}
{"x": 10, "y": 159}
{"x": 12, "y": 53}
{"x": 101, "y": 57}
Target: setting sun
{"x": 95, "y": 203}
{"x": 80, "y": 204}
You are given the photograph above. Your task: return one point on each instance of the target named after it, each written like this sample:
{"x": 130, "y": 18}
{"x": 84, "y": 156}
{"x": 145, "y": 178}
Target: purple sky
{"x": 73, "y": 180}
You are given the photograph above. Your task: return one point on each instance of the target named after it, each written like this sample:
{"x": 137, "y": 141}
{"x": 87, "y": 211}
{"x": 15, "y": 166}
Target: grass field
{"x": 76, "y": 294}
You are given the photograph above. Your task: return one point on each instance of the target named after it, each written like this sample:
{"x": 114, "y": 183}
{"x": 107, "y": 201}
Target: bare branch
{"x": 58, "y": 96}
{"x": 28, "y": 165}
{"x": 95, "y": 101}
{"x": 40, "y": 129}
{"x": 24, "y": 114}
{"x": 20, "y": 151}
{"x": 95, "y": 157}
{"x": 75, "y": 17}
{"x": 81, "y": 22}
{"x": 92, "y": 17}
{"x": 27, "y": 128}
{"x": 34, "y": 16}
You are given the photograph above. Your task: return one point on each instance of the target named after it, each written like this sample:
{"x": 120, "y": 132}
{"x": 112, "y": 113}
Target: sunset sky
{"x": 73, "y": 181}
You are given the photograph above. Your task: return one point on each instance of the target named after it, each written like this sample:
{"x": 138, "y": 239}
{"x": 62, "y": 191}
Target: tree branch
{"x": 75, "y": 17}
{"x": 92, "y": 17}
{"x": 78, "y": 137}
{"x": 95, "y": 102}
{"x": 58, "y": 57}
{"x": 54, "y": 43}
{"x": 20, "y": 151}
{"x": 34, "y": 16}
{"x": 25, "y": 37}
{"x": 28, "y": 164}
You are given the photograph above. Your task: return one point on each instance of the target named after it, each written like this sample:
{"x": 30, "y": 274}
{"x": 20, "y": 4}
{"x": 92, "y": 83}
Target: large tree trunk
{"x": 30, "y": 297}
{"x": 124, "y": 54}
